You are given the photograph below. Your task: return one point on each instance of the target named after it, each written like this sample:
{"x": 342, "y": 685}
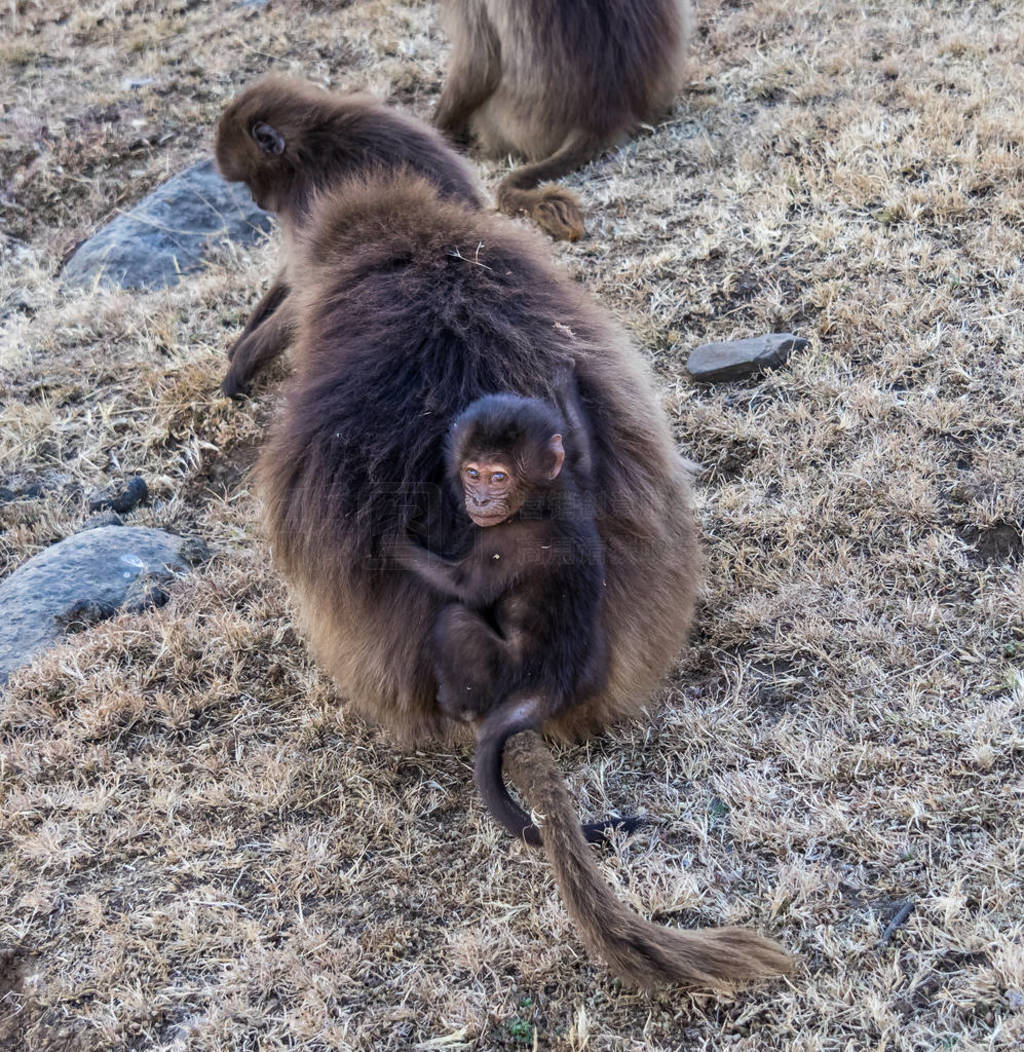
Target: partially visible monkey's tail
{"x": 636, "y": 950}
{"x": 556, "y": 209}
{"x": 493, "y": 732}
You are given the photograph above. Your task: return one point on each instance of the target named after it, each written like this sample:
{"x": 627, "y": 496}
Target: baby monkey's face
{"x": 493, "y": 491}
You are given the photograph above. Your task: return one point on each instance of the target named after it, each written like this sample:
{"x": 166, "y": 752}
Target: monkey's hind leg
{"x": 552, "y": 207}
{"x": 473, "y": 76}
{"x": 469, "y": 655}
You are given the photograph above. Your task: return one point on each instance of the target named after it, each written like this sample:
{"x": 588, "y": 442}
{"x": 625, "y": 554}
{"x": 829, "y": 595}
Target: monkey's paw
{"x": 233, "y": 385}
{"x": 401, "y": 549}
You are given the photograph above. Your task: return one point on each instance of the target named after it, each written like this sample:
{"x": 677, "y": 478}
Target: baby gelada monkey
{"x": 521, "y": 639}
{"x": 527, "y": 596}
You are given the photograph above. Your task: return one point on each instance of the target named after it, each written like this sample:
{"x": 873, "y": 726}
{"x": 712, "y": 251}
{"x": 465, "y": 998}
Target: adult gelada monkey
{"x": 287, "y": 139}
{"x": 412, "y": 307}
{"x": 557, "y": 82}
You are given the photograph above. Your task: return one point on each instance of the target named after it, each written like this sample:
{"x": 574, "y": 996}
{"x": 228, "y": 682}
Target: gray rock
{"x": 120, "y": 498}
{"x": 169, "y": 233}
{"x": 86, "y": 578}
{"x": 734, "y": 359}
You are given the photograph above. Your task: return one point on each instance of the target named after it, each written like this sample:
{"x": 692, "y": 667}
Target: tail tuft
{"x": 638, "y": 951}
{"x": 555, "y": 209}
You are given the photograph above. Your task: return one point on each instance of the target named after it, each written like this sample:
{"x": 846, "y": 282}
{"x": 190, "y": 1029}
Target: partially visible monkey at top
{"x": 288, "y": 140}
{"x": 557, "y": 82}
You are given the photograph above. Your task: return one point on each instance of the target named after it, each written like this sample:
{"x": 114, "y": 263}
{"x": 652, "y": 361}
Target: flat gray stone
{"x": 734, "y": 359}
{"x": 169, "y": 233}
{"x": 86, "y": 577}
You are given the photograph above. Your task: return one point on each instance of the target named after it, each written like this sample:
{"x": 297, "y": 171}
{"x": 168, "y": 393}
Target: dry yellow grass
{"x": 199, "y": 849}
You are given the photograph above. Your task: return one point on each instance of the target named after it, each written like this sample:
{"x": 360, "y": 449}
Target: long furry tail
{"x": 493, "y": 732}
{"x": 639, "y": 952}
{"x": 556, "y": 209}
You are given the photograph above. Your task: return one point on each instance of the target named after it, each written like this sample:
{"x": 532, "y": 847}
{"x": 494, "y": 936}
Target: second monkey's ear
{"x": 557, "y": 451}
{"x": 267, "y": 138}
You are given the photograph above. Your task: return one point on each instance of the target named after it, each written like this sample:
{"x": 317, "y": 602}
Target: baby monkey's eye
{"x": 499, "y": 476}
{"x": 472, "y": 473}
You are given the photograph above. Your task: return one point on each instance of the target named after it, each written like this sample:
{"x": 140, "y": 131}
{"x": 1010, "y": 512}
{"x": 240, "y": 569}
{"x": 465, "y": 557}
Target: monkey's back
{"x": 603, "y": 66}
{"x": 412, "y": 309}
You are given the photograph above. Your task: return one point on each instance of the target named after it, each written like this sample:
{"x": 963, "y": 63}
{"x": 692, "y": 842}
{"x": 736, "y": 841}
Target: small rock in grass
{"x": 86, "y": 578}
{"x": 29, "y": 492}
{"x": 734, "y": 359}
{"x": 121, "y": 499}
{"x": 1001, "y": 542}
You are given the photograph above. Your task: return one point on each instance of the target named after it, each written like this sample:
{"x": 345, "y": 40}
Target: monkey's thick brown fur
{"x": 557, "y": 82}
{"x": 311, "y": 139}
{"x": 411, "y": 308}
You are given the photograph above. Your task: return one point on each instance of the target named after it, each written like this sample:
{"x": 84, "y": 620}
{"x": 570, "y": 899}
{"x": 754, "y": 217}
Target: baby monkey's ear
{"x": 557, "y": 451}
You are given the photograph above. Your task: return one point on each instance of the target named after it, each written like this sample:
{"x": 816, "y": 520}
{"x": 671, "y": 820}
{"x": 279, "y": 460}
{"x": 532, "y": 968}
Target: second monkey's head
{"x": 267, "y": 139}
{"x": 287, "y": 138}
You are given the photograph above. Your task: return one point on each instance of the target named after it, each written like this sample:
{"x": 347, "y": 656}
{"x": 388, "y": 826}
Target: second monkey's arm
{"x": 271, "y": 300}
{"x": 267, "y": 334}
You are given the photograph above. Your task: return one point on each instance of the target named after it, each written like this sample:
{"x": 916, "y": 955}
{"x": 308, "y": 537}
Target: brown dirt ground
{"x": 200, "y": 849}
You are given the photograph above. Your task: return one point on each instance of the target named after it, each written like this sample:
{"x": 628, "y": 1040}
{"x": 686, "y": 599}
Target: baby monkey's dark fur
{"x": 521, "y": 637}
{"x": 288, "y": 140}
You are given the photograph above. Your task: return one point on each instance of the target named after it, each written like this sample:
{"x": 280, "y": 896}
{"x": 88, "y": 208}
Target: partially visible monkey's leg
{"x": 554, "y": 208}
{"x": 271, "y": 301}
{"x": 263, "y": 344}
{"x": 474, "y": 73}
{"x": 469, "y": 656}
